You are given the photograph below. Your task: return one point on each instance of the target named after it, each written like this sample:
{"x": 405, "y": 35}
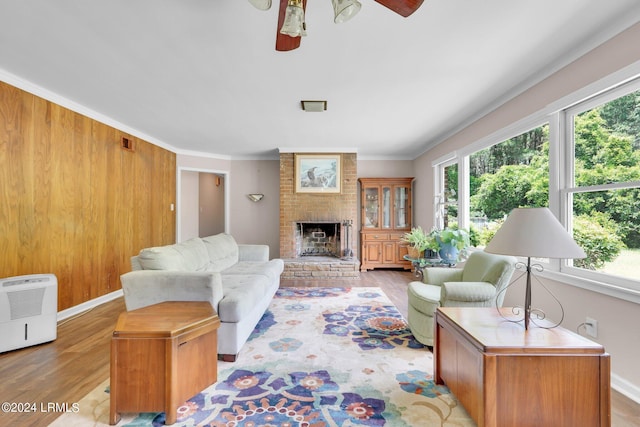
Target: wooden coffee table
{"x": 162, "y": 355}
{"x": 506, "y": 376}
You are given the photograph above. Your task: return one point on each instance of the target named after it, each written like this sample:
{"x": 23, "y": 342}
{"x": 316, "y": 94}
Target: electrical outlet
{"x": 591, "y": 326}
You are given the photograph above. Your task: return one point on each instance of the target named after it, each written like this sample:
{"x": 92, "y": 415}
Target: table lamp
{"x": 533, "y": 233}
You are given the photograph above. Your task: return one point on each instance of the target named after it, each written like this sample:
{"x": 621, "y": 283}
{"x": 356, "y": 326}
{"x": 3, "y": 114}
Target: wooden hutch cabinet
{"x": 385, "y": 216}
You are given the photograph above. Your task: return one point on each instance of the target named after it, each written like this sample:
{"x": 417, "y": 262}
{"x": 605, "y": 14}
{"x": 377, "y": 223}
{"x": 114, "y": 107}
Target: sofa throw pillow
{"x": 190, "y": 255}
{"x": 223, "y": 251}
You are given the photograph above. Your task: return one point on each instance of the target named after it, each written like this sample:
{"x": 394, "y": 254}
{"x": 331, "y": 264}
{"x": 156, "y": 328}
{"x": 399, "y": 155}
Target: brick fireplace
{"x": 313, "y": 234}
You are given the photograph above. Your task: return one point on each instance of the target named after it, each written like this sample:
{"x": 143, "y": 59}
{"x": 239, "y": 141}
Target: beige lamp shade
{"x": 536, "y": 233}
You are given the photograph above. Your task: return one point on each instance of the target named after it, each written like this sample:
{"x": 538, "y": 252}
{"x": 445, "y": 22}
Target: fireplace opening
{"x": 318, "y": 239}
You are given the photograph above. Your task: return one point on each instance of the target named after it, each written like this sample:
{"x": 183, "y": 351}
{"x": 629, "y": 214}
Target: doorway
{"x": 202, "y": 203}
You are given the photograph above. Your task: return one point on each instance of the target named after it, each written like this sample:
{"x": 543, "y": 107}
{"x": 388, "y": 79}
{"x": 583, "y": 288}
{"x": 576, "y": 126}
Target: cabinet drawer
{"x": 376, "y": 236}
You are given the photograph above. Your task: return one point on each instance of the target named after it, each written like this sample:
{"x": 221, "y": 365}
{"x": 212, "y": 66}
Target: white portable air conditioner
{"x": 28, "y": 310}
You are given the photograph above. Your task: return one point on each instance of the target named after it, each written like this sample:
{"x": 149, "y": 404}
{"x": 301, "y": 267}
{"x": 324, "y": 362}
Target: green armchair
{"x": 477, "y": 284}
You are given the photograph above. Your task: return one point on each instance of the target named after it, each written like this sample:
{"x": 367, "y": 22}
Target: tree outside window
{"x": 511, "y": 174}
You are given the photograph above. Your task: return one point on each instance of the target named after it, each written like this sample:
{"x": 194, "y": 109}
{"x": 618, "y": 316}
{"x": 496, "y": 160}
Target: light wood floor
{"x": 67, "y": 369}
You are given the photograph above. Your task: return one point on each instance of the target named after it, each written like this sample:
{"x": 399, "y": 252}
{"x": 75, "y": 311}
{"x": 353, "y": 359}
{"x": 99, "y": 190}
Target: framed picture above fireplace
{"x": 317, "y": 173}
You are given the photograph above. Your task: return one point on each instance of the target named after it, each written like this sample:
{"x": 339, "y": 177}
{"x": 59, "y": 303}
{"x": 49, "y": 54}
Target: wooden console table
{"x": 162, "y": 355}
{"x": 506, "y": 376}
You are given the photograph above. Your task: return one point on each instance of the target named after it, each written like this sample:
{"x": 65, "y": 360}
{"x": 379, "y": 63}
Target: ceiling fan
{"x": 291, "y": 20}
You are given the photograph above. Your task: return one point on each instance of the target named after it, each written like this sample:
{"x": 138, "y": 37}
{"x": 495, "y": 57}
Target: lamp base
{"x": 527, "y": 310}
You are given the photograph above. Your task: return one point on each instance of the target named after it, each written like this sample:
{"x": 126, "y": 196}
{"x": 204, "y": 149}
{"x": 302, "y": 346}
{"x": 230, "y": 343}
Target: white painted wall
{"x": 385, "y": 168}
{"x": 256, "y": 222}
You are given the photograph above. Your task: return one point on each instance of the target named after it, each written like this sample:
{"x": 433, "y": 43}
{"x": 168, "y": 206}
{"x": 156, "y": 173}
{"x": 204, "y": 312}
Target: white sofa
{"x": 238, "y": 280}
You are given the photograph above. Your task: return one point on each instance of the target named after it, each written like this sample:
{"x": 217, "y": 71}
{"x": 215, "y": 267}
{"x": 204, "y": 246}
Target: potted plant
{"x": 418, "y": 241}
{"x": 452, "y": 243}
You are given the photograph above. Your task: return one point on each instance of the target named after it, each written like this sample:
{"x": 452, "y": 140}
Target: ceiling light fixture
{"x": 314, "y": 106}
{"x": 294, "y": 25}
{"x": 292, "y": 16}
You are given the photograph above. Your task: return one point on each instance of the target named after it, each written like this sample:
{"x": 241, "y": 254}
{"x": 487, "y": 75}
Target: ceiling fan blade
{"x": 283, "y": 41}
{"x": 402, "y": 7}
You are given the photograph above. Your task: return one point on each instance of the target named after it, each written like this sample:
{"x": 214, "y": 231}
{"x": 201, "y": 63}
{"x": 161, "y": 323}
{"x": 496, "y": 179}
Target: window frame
{"x": 558, "y": 115}
{"x": 568, "y": 187}
{"x": 439, "y": 206}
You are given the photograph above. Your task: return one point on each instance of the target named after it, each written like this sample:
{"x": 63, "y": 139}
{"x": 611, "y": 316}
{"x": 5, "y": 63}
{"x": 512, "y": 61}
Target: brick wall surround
{"x": 315, "y": 207}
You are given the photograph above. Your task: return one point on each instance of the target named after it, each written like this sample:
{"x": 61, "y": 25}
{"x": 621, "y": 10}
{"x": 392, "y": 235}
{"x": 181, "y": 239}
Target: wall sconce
{"x": 255, "y": 197}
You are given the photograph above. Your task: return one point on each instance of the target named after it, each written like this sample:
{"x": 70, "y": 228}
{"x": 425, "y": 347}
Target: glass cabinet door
{"x": 386, "y": 207}
{"x": 401, "y": 205}
{"x": 371, "y": 207}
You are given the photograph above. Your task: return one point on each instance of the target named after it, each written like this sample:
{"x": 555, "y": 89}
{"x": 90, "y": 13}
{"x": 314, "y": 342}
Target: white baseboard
{"x": 77, "y": 309}
{"x": 623, "y": 386}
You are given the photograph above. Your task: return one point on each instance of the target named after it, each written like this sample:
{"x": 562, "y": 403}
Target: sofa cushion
{"x": 272, "y": 269}
{"x": 223, "y": 251}
{"x": 190, "y": 255}
{"x": 241, "y": 295}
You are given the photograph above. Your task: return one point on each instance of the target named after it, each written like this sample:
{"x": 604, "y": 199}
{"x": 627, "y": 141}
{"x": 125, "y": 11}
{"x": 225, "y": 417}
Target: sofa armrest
{"x": 466, "y": 292}
{"x": 147, "y": 287}
{"x": 253, "y": 253}
{"x": 437, "y": 276}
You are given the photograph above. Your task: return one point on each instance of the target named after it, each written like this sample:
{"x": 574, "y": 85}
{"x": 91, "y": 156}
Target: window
{"x": 446, "y": 204}
{"x": 582, "y": 162}
{"x": 513, "y": 173}
{"x": 602, "y": 186}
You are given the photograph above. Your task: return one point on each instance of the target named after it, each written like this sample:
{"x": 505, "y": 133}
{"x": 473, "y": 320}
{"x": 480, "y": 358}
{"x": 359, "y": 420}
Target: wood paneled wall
{"x": 73, "y": 202}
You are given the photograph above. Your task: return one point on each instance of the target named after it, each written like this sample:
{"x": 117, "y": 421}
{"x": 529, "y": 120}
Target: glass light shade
{"x": 261, "y": 4}
{"x": 294, "y": 25}
{"x": 536, "y": 233}
{"x": 343, "y": 10}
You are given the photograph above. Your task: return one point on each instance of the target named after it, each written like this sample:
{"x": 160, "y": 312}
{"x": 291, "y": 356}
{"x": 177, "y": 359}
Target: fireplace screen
{"x": 318, "y": 239}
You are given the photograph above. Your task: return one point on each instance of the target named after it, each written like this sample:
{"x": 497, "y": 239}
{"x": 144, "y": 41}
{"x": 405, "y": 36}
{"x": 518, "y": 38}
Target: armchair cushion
{"x": 472, "y": 292}
{"x": 425, "y": 298}
{"x": 437, "y": 276}
{"x": 485, "y": 267}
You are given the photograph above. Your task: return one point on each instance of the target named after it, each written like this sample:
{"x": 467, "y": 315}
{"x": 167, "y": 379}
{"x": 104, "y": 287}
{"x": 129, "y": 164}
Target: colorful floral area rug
{"x": 320, "y": 357}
